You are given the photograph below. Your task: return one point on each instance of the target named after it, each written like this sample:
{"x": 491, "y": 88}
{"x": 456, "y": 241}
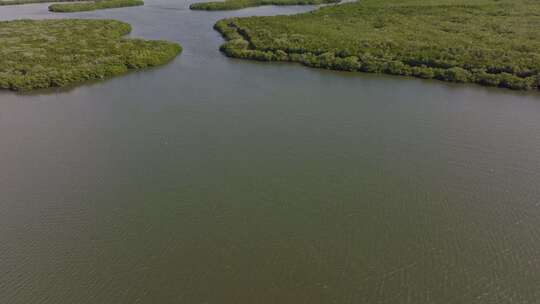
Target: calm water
{"x": 213, "y": 180}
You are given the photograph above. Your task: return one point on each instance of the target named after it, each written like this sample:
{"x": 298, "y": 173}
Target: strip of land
{"x": 57, "y": 53}
{"x": 488, "y": 42}
{"x": 239, "y": 4}
{"x": 92, "y": 5}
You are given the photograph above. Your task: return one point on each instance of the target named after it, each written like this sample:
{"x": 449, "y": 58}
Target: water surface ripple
{"x": 214, "y": 180}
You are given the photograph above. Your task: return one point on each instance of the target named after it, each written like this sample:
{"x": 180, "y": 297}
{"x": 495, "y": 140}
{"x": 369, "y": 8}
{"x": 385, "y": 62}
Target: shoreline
{"x": 239, "y": 45}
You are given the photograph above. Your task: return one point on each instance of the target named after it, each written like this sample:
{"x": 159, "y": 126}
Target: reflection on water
{"x": 213, "y": 180}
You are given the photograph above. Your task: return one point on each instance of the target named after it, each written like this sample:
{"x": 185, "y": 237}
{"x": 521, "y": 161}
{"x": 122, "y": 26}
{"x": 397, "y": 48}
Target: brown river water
{"x": 216, "y": 180}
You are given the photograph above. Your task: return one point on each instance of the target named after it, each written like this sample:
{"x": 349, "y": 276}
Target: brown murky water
{"x": 213, "y": 180}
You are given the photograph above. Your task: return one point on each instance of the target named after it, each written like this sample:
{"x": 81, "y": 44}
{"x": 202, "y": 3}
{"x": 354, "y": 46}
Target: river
{"x": 217, "y": 180}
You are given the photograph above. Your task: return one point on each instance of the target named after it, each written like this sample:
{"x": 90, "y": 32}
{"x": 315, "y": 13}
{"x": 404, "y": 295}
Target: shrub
{"x": 350, "y": 64}
{"x": 516, "y": 83}
{"x": 423, "y": 72}
{"x": 456, "y": 74}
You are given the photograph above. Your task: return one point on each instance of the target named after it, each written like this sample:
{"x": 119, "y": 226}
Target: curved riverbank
{"x": 239, "y": 4}
{"x": 433, "y": 41}
{"x": 59, "y": 53}
{"x": 93, "y": 5}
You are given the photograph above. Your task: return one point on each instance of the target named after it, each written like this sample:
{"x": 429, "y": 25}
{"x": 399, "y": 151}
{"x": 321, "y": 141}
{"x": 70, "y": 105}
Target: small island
{"x": 491, "y": 43}
{"x": 239, "y": 4}
{"x": 57, "y": 53}
{"x": 92, "y": 5}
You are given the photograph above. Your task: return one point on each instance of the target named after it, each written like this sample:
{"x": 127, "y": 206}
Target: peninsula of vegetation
{"x": 58, "y": 53}
{"x": 92, "y": 5}
{"x": 488, "y": 42}
{"x": 239, "y": 4}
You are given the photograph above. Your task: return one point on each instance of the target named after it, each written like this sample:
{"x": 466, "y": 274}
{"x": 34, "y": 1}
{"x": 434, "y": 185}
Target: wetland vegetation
{"x": 488, "y": 42}
{"x": 92, "y": 5}
{"x": 58, "y": 53}
{"x": 239, "y": 4}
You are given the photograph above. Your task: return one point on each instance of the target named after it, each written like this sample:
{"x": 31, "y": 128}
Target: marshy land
{"x": 492, "y": 43}
{"x": 92, "y": 5}
{"x": 58, "y": 53}
{"x": 487, "y": 42}
{"x": 239, "y": 4}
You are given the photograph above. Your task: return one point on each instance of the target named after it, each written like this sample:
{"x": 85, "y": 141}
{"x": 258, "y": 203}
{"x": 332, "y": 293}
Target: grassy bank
{"x": 238, "y": 4}
{"x": 489, "y": 42}
{"x": 58, "y": 53}
{"x": 92, "y": 5}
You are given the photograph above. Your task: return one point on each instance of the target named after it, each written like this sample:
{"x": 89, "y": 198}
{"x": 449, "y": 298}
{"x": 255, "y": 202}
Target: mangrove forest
{"x": 488, "y": 42}
{"x": 58, "y": 53}
{"x": 239, "y": 4}
{"x": 92, "y": 5}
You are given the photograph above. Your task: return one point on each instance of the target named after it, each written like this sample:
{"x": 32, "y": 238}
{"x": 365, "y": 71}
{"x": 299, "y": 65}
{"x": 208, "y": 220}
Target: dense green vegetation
{"x": 83, "y": 5}
{"x": 92, "y": 5}
{"x": 489, "y": 42}
{"x": 57, "y": 53}
{"x": 238, "y": 4}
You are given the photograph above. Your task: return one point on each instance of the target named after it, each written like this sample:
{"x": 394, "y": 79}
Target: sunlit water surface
{"x": 213, "y": 180}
